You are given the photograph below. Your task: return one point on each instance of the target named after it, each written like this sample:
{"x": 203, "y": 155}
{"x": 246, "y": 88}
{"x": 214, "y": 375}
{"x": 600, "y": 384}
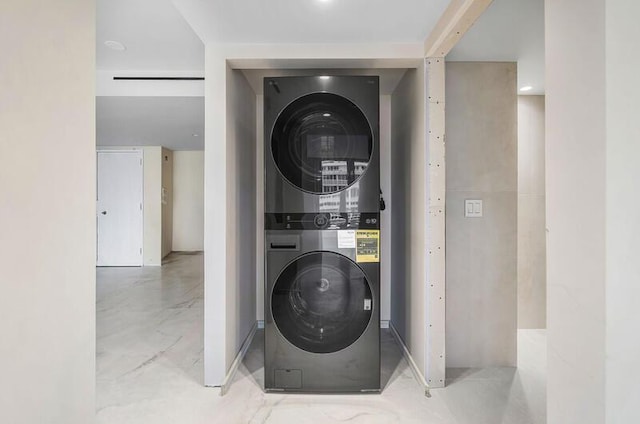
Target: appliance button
{"x": 320, "y": 220}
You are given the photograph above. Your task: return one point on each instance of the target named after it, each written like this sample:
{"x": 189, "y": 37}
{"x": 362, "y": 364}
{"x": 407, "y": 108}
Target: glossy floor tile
{"x": 149, "y": 368}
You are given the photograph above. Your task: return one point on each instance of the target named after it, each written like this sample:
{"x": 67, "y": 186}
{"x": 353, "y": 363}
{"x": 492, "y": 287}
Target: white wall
{"x": 575, "y": 175}
{"x": 532, "y": 252}
{"x": 400, "y": 138}
{"x": 409, "y": 205}
{"x": 152, "y": 234}
{"x": 47, "y": 211}
{"x": 216, "y": 316}
{"x": 230, "y": 209}
{"x": 481, "y": 143}
{"x": 241, "y": 208}
{"x": 623, "y": 216}
{"x": 230, "y": 214}
{"x": 188, "y": 201}
{"x": 167, "y": 200}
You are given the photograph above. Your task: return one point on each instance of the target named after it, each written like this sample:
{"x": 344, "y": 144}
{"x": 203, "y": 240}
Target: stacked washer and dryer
{"x": 322, "y": 246}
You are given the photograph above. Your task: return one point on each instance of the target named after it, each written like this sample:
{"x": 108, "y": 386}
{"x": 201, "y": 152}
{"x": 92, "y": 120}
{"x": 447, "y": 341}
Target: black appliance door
{"x": 322, "y": 143}
{"x": 322, "y": 302}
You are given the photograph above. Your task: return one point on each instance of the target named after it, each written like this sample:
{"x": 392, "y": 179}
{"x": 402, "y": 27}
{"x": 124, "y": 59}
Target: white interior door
{"x": 119, "y": 208}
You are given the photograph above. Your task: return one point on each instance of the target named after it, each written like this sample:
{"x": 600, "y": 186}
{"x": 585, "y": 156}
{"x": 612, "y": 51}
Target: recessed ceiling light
{"x": 324, "y": 77}
{"x": 115, "y": 45}
{"x": 195, "y": 135}
{"x": 526, "y": 88}
{"x": 326, "y": 115}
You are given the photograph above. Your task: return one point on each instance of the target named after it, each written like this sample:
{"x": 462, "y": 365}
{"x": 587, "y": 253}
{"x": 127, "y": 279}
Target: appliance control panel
{"x": 322, "y": 221}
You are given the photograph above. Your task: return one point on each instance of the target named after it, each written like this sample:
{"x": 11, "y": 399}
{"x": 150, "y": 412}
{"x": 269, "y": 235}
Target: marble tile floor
{"x": 149, "y": 368}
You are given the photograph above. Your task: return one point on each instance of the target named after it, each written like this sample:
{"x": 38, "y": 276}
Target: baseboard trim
{"x": 412, "y": 364}
{"x": 224, "y": 387}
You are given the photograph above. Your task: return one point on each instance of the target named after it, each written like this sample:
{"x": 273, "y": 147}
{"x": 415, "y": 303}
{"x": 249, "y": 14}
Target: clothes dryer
{"x": 322, "y": 144}
{"x": 322, "y": 303}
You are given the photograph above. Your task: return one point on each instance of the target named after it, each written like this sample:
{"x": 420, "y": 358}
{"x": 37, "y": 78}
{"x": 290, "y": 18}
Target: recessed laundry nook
{"x": 415, "y": 184}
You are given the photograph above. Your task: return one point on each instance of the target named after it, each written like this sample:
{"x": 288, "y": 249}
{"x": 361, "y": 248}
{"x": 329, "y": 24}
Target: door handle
{"x": 103, "y": 212}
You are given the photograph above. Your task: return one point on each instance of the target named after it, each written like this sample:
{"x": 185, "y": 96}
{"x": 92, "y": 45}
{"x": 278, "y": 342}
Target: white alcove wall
{"x": 409, "y": 169}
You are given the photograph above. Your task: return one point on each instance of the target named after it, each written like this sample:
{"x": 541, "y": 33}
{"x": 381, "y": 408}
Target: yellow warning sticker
{"x": 368, "y": 246}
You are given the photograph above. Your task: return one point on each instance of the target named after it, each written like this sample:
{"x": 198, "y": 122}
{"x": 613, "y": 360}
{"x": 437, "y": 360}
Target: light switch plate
{"x": 473, "y": 208}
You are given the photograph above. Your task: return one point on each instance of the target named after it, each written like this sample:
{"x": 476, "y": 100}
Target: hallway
{"x": 149, "y": 368}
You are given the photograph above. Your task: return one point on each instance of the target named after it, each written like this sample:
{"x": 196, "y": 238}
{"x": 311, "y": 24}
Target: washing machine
{"x": 322, "y": 302}
{"x": 321, "y": 144}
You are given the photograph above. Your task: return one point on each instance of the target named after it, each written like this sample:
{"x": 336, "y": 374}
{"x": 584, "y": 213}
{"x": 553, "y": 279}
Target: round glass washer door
{"x": 322, "y": 302}
{"x": 322, "y": 143}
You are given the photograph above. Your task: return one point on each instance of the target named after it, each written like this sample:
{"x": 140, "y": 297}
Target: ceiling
{"x": 154, "y": 33}
{"x": 509, "y": 30}
{"x": 163, "y": 37}
{"x": 151, "y": 121}
{"x": 159, "y": 42}
{"x": 312, "y": 21}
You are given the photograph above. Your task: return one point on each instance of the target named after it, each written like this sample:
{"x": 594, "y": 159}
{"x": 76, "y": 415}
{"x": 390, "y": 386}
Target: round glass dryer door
{"x": 322, "y": 302}
{"x": 322, "y": 143}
